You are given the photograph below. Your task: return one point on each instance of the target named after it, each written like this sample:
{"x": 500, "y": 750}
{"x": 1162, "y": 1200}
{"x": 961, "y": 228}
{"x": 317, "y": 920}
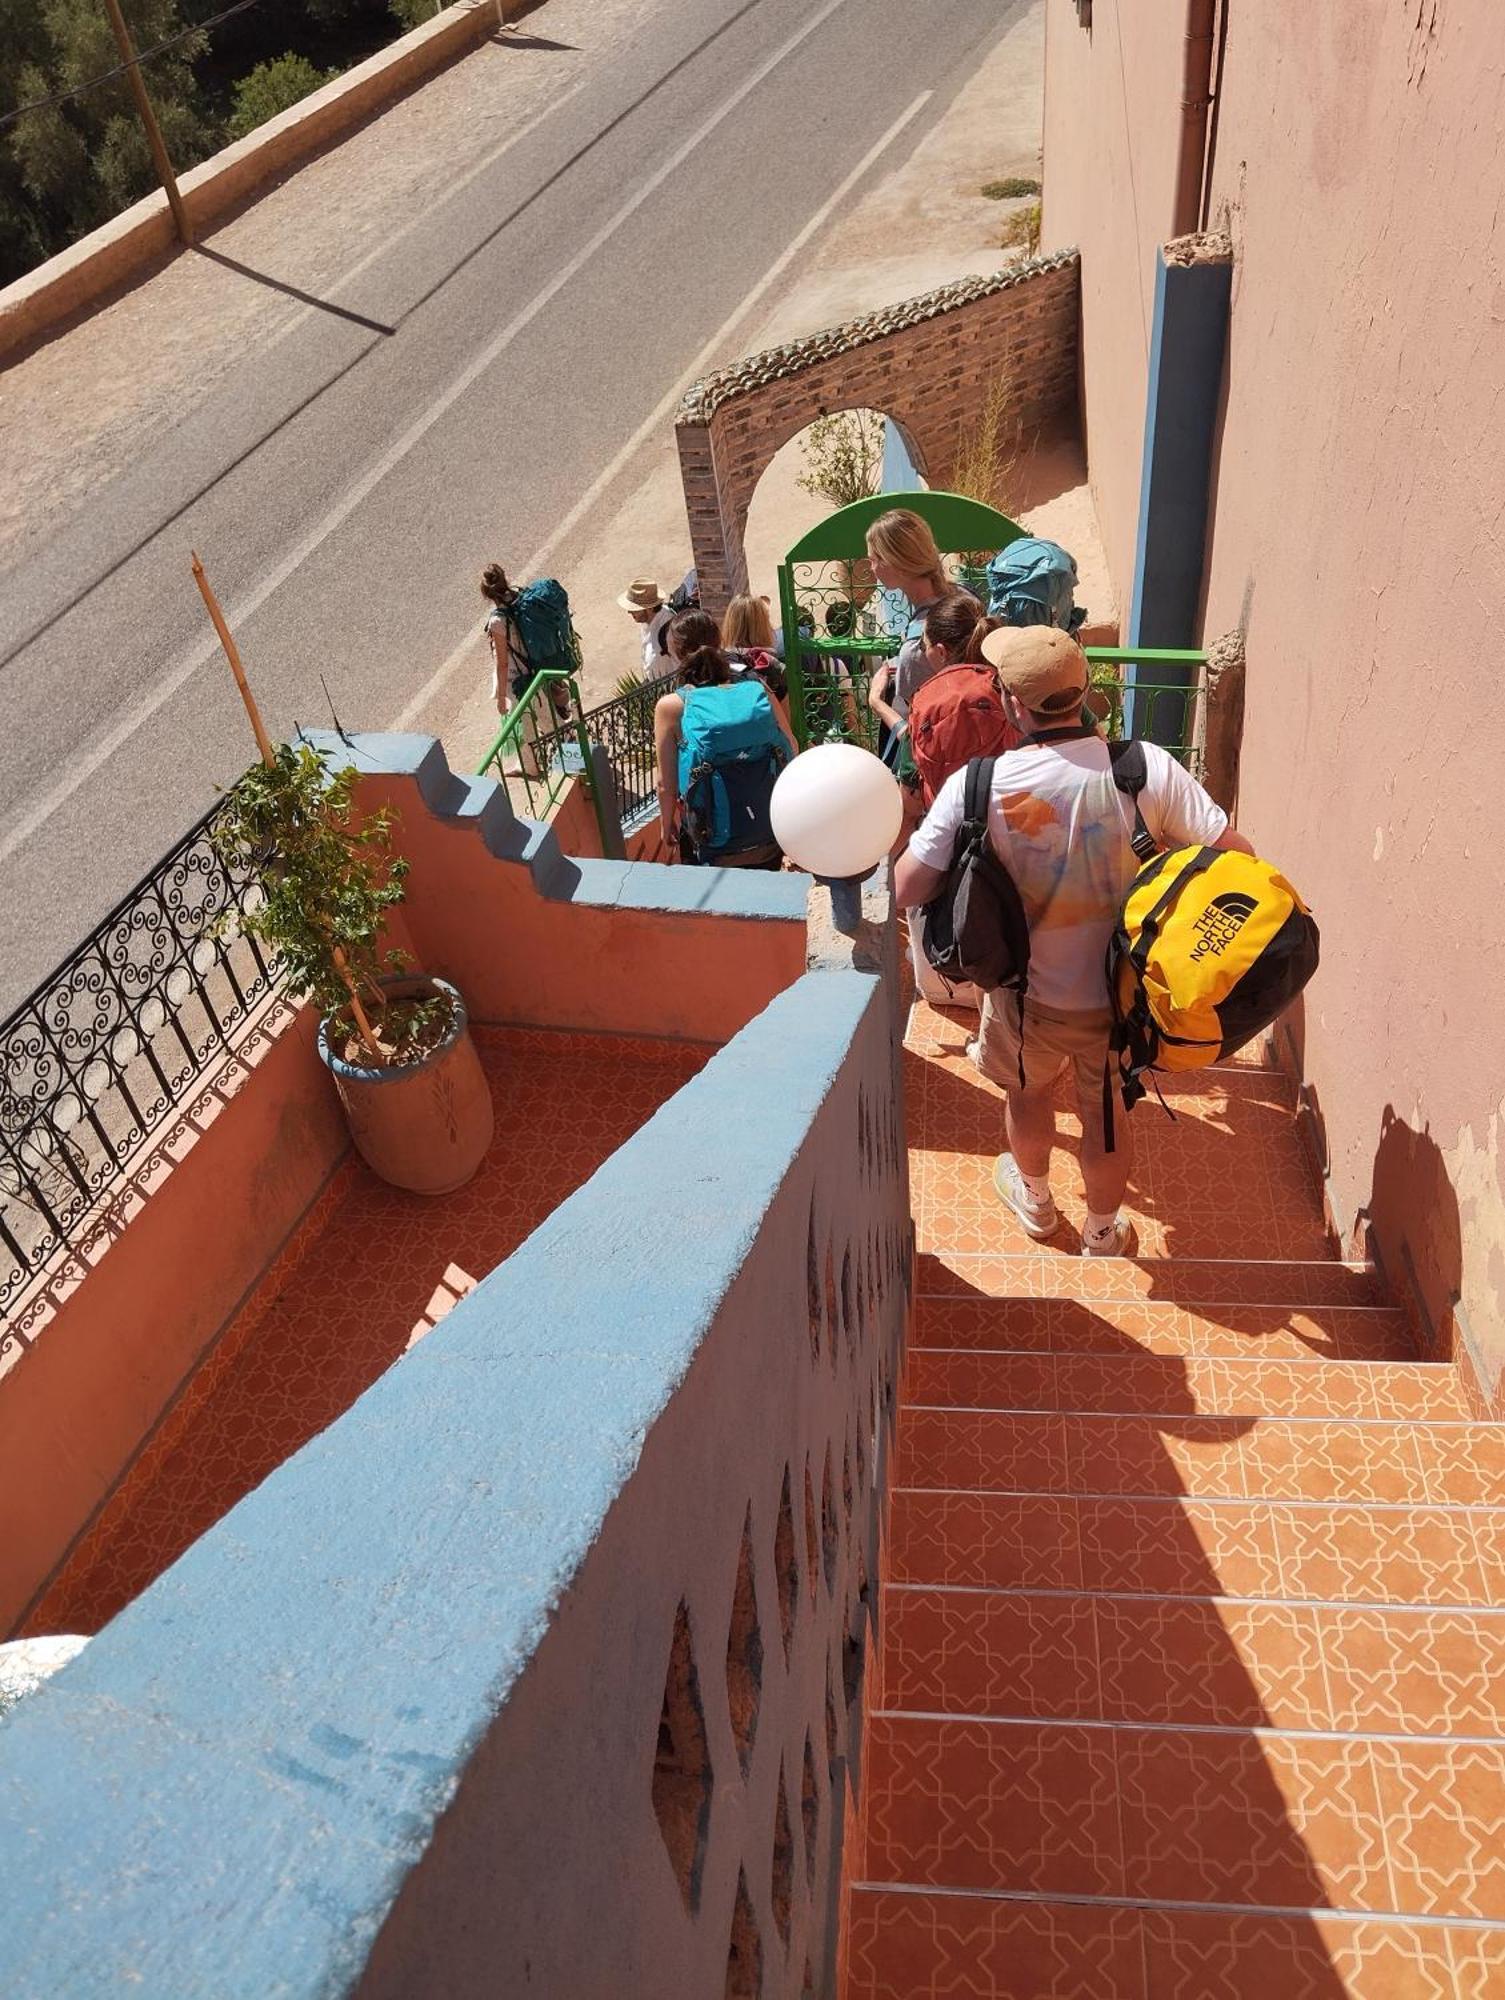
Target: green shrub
{"x": 1022, "y": 230}
{"x": 274, "y": 87}
{"x": 1011, "y": 189}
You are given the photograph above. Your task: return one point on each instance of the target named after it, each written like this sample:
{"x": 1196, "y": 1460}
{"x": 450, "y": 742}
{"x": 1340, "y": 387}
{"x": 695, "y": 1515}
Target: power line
{"x": 109, "y": 75}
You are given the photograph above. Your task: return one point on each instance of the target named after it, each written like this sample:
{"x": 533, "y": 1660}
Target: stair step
{"x": 1174, "y": 1547}
{"x": 914, "y": 1944}
{"x": 1124, "y": 1327}
{"x": 1168, "y": 1385}
{"x": 1277, "y": 1458}
{"x": 1219, "y": 1662}
{"x": 1285, "y": 1283}
{"x": 1199, "y": 1816}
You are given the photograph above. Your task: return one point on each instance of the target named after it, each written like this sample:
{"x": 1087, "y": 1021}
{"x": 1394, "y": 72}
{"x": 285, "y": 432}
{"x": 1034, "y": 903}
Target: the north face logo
{"x": 1220, "y": 923}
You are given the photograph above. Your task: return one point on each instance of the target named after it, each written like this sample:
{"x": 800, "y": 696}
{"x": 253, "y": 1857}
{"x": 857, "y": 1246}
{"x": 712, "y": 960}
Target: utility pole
{"x": 149, "y": 119}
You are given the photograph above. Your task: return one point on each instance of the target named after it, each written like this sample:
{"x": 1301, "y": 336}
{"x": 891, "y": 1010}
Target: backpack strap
{"x": 1131, "y": 774}
{"x": 976, "y": 803}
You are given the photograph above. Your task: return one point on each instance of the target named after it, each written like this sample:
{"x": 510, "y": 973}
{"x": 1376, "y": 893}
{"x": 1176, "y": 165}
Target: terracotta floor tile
{"x": 1444, "y": 1811}
{"x": 1333, "y": 1461}
{"x": 1420, "y": 1672}
{"x": 919, "y": 1947}
{"x": 1489, "y": 1541}
{"x": 975, "y": 1379}
{"x": 995, "y": 1541}
{"x": 1235, "y": 1818}
{"x": 1177, "y": 1548}
{"x": 1207, "y": 1955}
{"x": 1402, "y": 1555}
{"x": 1188, "y": 1660}
{"x": 992, "y": 1805}
{"x": 1478, "y": 1958}
{"x": 980, "y": 1449}
{"x": 1277, "y": 1286}
{"x": 970, "y": 1652}
{"x": 1463, "y": 1465}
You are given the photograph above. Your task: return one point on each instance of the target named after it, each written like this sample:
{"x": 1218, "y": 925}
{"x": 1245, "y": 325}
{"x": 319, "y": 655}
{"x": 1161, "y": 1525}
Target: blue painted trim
{"x": 483, "y": 804}
{"x": 224, "y": 1795}
{"x": 1188, "y": 343}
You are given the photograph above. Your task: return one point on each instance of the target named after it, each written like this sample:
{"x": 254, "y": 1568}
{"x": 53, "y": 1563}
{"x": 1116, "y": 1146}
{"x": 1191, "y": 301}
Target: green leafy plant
{"x": 1010, "y": 189}
{"x": 328, "y": 877}
{"x": 1022, "y": 230}
{"x": 272, "y": 88}
{"x": 843, "y": 456}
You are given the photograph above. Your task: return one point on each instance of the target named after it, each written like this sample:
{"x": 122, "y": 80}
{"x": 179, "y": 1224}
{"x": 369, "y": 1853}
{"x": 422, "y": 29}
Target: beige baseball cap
{"x": 1043, "y": 668}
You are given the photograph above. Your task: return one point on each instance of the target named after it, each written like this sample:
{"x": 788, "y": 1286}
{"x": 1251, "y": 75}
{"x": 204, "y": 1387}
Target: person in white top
{"x": 644, "y": 604}
{"x": 1062, "y": 828}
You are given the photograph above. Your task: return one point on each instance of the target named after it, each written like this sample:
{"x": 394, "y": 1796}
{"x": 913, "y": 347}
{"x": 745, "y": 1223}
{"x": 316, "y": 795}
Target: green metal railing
{"x": 556, "y": 753}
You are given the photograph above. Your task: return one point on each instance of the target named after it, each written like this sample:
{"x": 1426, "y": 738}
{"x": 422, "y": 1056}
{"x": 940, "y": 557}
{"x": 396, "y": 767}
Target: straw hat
{"x": 642, "y": 594}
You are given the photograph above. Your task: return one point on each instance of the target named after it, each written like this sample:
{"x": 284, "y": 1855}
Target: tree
{"x": 271, "y": 88}
{"x": 71, "y": 166}
{"x": 843, "y": 456}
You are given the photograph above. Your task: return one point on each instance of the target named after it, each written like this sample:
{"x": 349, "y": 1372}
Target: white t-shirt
{"x": 1062, "y": 829}
{"x": 655, "y": 660}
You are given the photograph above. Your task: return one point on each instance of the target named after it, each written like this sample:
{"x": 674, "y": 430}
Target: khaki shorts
{"x": 1052, "y": 1040}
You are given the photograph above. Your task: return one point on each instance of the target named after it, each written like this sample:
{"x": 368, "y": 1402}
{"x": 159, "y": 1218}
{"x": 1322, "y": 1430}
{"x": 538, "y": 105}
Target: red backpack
{"x": 956, "y": 715}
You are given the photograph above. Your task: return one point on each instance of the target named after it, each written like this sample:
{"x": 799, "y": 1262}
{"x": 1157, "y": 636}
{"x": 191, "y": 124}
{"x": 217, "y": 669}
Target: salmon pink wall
{"x": 246, "y": 1160}
{"x": 1358, "y": 537}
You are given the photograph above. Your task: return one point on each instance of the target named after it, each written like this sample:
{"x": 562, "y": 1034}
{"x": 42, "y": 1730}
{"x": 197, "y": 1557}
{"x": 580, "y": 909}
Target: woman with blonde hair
{"x": 904, "y": 558}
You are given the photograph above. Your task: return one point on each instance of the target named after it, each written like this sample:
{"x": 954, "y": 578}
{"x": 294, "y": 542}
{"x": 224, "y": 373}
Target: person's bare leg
{"x": 1105, "y": 1174}
{"x": 1031, "y": 1124}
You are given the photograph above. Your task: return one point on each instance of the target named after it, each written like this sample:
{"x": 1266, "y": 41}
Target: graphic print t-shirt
{"x": 1061, "y": 827}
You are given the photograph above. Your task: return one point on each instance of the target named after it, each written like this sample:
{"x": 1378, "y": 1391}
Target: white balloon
{"x": 836, "y": 810}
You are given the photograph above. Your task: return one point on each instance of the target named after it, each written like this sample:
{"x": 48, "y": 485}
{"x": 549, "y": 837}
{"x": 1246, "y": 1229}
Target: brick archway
{"x": 926, "y": 364}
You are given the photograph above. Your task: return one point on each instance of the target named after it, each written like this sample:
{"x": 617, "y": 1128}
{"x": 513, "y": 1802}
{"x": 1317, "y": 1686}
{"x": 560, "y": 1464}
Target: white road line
{"x": 84, "y": 767}
{"x": 465, "y": 653}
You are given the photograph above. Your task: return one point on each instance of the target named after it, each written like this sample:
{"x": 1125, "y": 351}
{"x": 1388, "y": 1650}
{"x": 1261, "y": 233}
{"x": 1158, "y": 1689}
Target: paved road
{"x": 461, "y": 388}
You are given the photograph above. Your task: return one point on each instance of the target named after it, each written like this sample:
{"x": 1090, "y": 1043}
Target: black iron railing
{"x": 107, "y": 1048}
{"x": 623, "y": 728}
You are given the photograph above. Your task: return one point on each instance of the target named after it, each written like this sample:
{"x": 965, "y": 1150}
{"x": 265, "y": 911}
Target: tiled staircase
{"x": 1190, "y": 1675}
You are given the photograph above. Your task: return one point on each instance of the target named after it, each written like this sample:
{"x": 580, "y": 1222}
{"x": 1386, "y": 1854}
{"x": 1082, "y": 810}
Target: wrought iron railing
{"x": 543, "y": 760}
{"x": 105, "y": 1051}
{"x": 623, "y": 728}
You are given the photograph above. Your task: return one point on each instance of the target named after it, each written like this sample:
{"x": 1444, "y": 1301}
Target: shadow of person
{"x": 1413, "y": 1231}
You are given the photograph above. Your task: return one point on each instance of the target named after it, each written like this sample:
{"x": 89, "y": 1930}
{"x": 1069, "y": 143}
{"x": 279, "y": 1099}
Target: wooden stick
{"x": 232, "y": 654}
{"x": 154, "y": 140}
{"x": 264, "y": 745}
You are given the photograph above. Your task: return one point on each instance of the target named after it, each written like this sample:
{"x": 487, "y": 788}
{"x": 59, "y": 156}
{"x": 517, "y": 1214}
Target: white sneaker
{"x": 1037, "y": 1219}
{"x": 973, "y": 1052}
{"x": 1122, "y": 1243}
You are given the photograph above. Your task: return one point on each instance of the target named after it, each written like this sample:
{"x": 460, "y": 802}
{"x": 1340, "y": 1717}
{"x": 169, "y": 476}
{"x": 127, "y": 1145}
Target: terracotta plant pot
{"x": 421, "y": 1125}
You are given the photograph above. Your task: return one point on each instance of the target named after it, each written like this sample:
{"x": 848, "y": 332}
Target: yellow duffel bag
{"x": 1209, "y": 949}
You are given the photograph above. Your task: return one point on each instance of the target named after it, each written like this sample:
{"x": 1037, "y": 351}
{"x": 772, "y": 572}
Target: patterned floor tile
{"x": 1126, "y": 1328}
{"x": 974, "y": 1653}
{"x": 364, "y": 1275}
{"x": 993, "y": 1541}
{"x": 1277, "y": 1285}
{"x": 1196, "y": 1955}
{"x": 1189, "y": 1660}
{"x": 992, "y": 1806}
{"x": 919, "y": 1947}
{"x": 1443, "y": 1806}
{"x": 1422, "y": 1672}
{"x": 1398, "y": 1555}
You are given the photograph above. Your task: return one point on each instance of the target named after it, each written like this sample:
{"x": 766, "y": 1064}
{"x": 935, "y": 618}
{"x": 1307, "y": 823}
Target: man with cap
{"x": 1062, "y": 828}
{"x": 644, "y": 604}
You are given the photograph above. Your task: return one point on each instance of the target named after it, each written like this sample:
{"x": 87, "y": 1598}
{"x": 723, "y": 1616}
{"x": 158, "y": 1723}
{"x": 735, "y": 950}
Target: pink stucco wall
{"x": 1359, "y": 535}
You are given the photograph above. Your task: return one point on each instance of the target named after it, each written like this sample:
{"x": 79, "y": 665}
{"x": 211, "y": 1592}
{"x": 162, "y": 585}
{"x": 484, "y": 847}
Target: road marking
{"x": 465, "y": 653}
{"x": 84, "y": 767}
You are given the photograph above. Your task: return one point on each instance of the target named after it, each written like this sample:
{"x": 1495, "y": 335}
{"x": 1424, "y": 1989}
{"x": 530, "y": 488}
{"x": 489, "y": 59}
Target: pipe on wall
{"x": 1196, "y": 99}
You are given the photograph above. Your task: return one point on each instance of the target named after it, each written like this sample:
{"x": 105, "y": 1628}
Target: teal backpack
{"x": 731, "y": 751}
{"x": 541, "y": 611}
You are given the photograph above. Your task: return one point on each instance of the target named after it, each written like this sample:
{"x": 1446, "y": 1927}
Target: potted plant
{"x": 396, "y": 1042}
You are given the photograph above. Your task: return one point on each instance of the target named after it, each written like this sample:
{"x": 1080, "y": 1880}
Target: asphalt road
{"x": 465, "y": 386}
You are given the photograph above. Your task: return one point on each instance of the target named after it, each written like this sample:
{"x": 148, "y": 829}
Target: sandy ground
{"x": 920, "y": 226}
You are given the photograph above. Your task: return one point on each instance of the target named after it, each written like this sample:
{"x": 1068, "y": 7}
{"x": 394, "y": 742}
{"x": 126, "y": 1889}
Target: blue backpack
{"x": 1033, "y": 582}
{"x": 541, "y": 611}
{"x": 731, "y": 751}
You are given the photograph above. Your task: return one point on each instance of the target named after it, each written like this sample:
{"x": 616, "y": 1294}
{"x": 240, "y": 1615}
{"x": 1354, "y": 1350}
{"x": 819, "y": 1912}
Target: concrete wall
{"x": 540, "y": 1669}
{"x": 927, "y": 364}
{"x": 1356, "y": 539}
{"x": 170, "y": 1262}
